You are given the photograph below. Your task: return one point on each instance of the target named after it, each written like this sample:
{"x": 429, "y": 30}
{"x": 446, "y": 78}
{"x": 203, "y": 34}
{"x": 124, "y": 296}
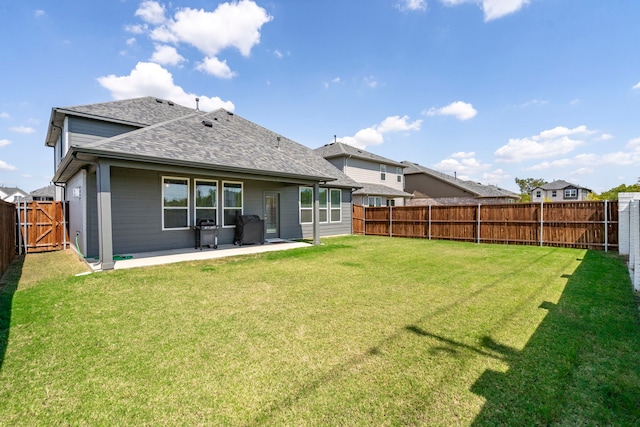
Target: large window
{"x": 306, "y": 205}
{"x": 206, "y": 200}
{"x": 383, "y": 172}
{"x": 570, "y": 193}
{"x": 324, "y": 216}
{"x": 175, "y": 203}
{"x": 231, "y": 203}
{"x": 336, "y": 205}
{"x": 375, "y": 201}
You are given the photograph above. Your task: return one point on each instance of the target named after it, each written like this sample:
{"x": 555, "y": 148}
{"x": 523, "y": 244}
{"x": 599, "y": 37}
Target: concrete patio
{"x": 145, "y": 259}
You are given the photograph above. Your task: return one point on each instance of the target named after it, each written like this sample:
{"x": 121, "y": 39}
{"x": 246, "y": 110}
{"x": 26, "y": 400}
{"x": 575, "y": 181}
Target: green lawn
{"x": 358, "y": 331}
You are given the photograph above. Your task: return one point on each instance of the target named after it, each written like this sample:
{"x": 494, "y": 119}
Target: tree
{"x": 612, "y": 194}
{"x": 528, "y": 184}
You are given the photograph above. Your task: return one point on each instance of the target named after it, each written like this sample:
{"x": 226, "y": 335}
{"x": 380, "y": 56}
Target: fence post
{"x": 606, "y": 227}
{"x": 478, "y": 223}
{"x": 541, "y": 223}
{"x": 390, "y": 221}
{"x": 429, "y": 225}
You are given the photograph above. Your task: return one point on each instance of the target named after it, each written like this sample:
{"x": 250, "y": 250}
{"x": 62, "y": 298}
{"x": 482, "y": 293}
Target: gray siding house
{"x": 559, "y": 191}
{"x": 429, "y": 186}
{"x": 381, "y": 179}
{"x": 138, "y": 174}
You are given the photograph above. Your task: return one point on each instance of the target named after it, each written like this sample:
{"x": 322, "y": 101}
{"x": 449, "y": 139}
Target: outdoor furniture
{"x": 207, "y": 233}
{"x": 249, "y": 230}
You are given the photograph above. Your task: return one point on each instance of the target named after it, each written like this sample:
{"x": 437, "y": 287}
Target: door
{"x": 272, "y": 215}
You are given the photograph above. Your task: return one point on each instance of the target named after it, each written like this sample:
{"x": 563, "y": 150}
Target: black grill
{"x": 249, "y": 230}
{"x": 207, "y": 233}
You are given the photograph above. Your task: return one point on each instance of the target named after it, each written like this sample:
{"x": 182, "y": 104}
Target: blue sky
{"x": 489, "y": 89}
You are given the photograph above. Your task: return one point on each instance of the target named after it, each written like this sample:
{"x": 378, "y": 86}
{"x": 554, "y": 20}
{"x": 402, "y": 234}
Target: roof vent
{"x": 207, "y": 123}
{"x": 170, "y": 103}
{"x": 230, "y": 113}
{"x": 158, "y": 100}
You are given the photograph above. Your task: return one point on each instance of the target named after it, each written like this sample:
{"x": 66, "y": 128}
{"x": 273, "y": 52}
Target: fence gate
{"x": 42, "y": 226}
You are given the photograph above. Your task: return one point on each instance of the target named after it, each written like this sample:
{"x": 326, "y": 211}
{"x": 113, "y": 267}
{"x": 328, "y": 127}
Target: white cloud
{"x": 397, "y": 123}
{"x": 166, "y": 55}
{"x": 39, "y": 13}
{"x": 22, "y": 129}
{"x": 374, "y": 135}
{"x": 406, "y": 5}
{"x": 495, "y": 177}
{"x": 546, "y": 144}
{"x": 460, "y": 110}
{"x": 606, "y": 136}
{"x": 371, "y": 82}
{"x": 151, "y": 12}
{"x": 461, "y": 166}
{"x": 131, "y": 41}
{"x": 215, "y": 67}
{"x": 4, "y": 115}
{"x": 149, "y": 79}
{"x": 4, "y": 166}
{"x": 136, "y": 29}
{"x": 636, "y": 86}
{"x": 4, "y": 142}
{"x": 463, "y": 155}
{"x": 493, "y": 9}
{"x": 235, "y": 24}
{"x": 534, "y": 102}
{"x": 278, "y": 53}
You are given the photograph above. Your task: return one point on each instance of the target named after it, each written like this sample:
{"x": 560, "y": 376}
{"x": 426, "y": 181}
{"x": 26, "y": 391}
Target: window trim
{"x": 326, "y": 208}
{"x": 195, "y": 199}
{"x": 300, "y": 208}
{"x": 332, "y": 208}
{"x": 570, "y": 193}
{"x": 187, "y": 208}
{"x": 225, "y": 208}
{"x": 383, "y": 172}
{"x": 375, "y": 198}
{"x": 399, "y": 174}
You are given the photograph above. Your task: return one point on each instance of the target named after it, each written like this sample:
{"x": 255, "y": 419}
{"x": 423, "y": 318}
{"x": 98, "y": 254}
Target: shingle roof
{"x": 560, "y": 185}
{"x": 339, "y": 149}
{"x": 380, "y": 190}
{"x": 230, "y": 143}
{"x": 144, "y": 111}
{"x": 48, "y": 191}
{"x": 480, "y": 190}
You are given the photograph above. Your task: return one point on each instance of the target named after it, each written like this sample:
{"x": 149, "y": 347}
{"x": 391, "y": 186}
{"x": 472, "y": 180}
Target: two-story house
{"x": 381, "y": 179}
{"x": 559, "y": 191}
{"x": 12, "y": 194}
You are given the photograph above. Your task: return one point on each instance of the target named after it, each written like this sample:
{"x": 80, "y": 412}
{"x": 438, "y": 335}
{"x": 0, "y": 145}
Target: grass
{"x": 358, "y": 331}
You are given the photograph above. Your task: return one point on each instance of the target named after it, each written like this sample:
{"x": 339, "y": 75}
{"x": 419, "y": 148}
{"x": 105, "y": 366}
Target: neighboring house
{"x": 429, "y": 186}
{"x": 12, "y": 194}
{"x": 381, "y": 179}
{"x": 559, "y": 191}
{"x": 139, "y": 174}
{"x": 44, "y": 194}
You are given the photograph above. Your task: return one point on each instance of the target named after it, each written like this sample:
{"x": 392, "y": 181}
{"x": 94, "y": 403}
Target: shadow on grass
{"x": 582, "y": 364}
{"x": 8, "y": 286}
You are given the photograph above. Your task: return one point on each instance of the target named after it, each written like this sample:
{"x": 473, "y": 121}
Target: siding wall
{"x": 82, "y": 130}
{"x": 369, "y": 172}
{"x": 136, "y": 200}
{"x": 76, "y": 210}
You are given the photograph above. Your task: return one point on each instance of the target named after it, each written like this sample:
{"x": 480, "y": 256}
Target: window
{"x": 323, "y": 205}
{"x": 375, "y": 201}
{"x": 570, "y": 193}
{"x": 336, "y": 205}
{"x": 399, "y": 174}
{"x": 231, "y": 202}
{"x": 383, "y": 172}
{"x": 306, "y": 205}
{"x": 554, "y": 193}
{"x": 538, "y": 194}
{"x": 206, "y": 200}
{"x": 175, "y": 203}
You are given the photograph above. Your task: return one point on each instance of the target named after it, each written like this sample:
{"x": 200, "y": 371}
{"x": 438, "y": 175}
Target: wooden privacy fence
{"x": 7, "y": 234}
{"x": 587, "y": 225}
{"x": 42, "y": 226}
